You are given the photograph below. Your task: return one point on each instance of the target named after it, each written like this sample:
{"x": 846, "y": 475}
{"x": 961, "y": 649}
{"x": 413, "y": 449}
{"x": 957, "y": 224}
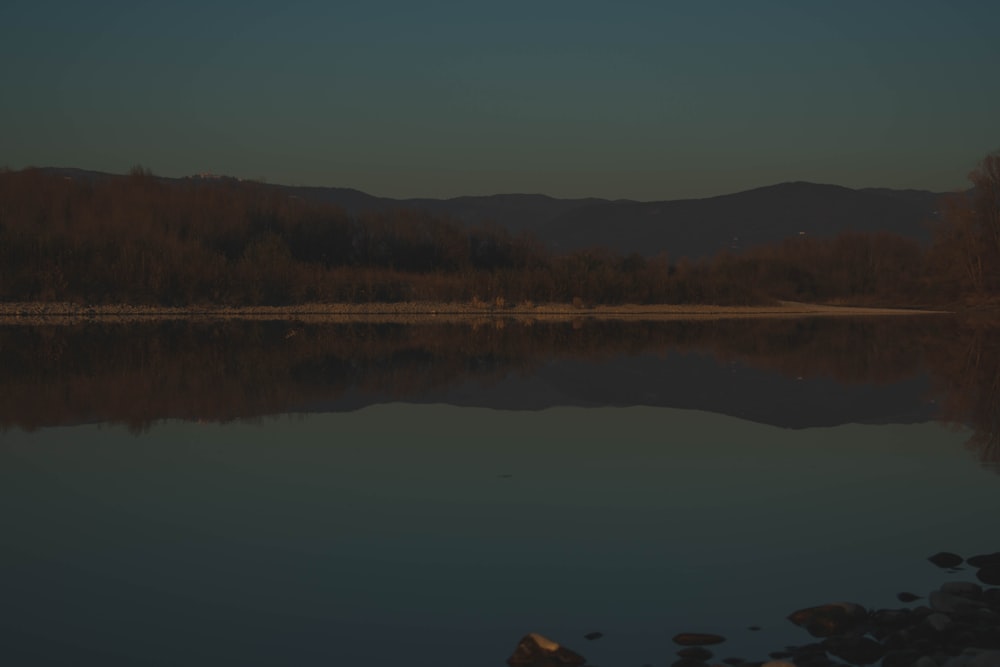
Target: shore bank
{"x": 955, "y": 625}
{"x": 61, "y": 312}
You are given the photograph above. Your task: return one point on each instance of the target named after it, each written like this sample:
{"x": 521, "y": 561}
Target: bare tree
{"x": 967, "y": 243}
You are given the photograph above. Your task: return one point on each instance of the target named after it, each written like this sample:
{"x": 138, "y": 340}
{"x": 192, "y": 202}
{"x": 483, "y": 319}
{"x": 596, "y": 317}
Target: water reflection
{"x": 792, "y": 373}
{"x": 967, "y": 378}
{"x": 374, "y": 529}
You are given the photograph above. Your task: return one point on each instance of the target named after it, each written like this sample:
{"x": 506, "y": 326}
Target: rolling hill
{"x": 692, "y": 228}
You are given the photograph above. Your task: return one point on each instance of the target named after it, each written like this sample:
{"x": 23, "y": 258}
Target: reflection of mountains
{"x": 791, "y": 373}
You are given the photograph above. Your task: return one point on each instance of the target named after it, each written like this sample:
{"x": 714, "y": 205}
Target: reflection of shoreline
{"x": 404, "y": 312}
{"x": 141, "y": 371}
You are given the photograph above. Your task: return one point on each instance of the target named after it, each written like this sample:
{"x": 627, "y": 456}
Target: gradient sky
{"x": 642, "y": 100}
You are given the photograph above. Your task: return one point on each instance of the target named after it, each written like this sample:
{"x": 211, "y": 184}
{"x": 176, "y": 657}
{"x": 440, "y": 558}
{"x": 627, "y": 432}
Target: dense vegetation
{"x": 144, "y": 240}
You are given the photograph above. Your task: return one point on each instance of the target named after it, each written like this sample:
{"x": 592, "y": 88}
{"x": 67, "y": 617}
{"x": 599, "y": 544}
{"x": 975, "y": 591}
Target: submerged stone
{"x": 689, "y": 662}
{"x": 950, "y": 602}
{"x": 907, "y": 597}
{"x": 695, "y": 652}
{"x": 965, "y": 589}
{"x": 829, "y": 619}
{"x": 984, "y": 559}
{"x": 946, "y": 559}
{"x": 534, "y": 650}
{"x": 698, "y": 639}
{"x": 938, "y": 621}
{"x": 989, "y": 574}
{"x": 900, "y": 658}
{"x": 855, "y": 650}
{"x": 591, "y": 636}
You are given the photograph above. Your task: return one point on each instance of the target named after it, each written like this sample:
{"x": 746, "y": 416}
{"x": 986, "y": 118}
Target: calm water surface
{"x": 366, "y": 528}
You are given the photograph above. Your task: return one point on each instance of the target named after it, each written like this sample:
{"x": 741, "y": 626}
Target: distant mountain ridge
{"x": 692, "y": 228}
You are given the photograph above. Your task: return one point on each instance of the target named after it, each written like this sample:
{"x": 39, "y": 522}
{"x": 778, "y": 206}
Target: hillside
{"x": 699, "y": 227}
{"x": 692, "y": 228}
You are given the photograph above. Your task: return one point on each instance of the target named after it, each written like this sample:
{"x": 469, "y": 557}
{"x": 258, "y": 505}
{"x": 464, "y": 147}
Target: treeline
{"x": 145, "y": 240}
{"x": 141, "y": 239}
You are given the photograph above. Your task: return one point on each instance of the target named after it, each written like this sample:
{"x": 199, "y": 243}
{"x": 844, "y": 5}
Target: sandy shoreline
{"x": 55, "y": 313}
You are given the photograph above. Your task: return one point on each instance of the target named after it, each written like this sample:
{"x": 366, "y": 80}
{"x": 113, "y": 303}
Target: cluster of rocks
{"x": 958, "y": 626}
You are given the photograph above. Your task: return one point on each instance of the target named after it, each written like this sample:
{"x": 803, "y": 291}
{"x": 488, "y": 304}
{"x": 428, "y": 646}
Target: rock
{"x": 695, "y": 653}
{"x": 938, "y": 621}
{"x": 884, "y": 622}
{"x": 829, "y": 619}
{"x": 535, "y": 650}
{"x": 983, "y": 560}
{"x": 975, "y": 658}
{"x": 965, "y": 589}
{"x": 817, "y": 661}
{"x": 777, "y": 663}
{"x": 754, "y": 628}
{"x": 591, "y": 636}
{"x": 697, "y": 639}
{"x": 989, "y": 574}
{"x": 945, "y": 559}
{"x": 901, "y": 658}
{"x": 991, "y": 596}
{"x": 855, "y": 650}
{"x": 949, "y": 603}
{"x": 986, "y": 659}
{"x": 907, "y": 597}
{"x": 689, "y": 662}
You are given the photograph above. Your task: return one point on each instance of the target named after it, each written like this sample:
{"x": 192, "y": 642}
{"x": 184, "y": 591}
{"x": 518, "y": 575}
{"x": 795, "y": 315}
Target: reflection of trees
{"x": 141, "y": 372}
{"x": 966, "y": 370}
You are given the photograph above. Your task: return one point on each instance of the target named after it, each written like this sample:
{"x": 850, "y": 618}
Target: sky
{"x": 639, "y": 100}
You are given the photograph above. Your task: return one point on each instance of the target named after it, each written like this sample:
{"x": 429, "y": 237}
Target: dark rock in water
{"x": 689, "y": 662}
{"x": 983, "y": 560}
{"x": 830, "y": 619}
{"x": 855, "y": 650}
{"x": 591, "y": 636}
{"x": 781, "y": 655}
{"x": 884, "y": 622}
{"x": 982, "y": 659}
{"x": 945, "y": 559}
{"x": 901, "y": 658}
{"x": 698, "y": 639}
{"x": 534, "y": 650}
{"x": 992, "y": 597}
{"x": 938, "y": 622}
{"x": 907, "y": 597}
{"x": 950, "y": 603}
{"x": 695, "y": 653}
{"x": 989, "y": 574}
{"x": 965, "y": 589}
{"x": 754, "y": 628}
{"x": 808, "y": 657}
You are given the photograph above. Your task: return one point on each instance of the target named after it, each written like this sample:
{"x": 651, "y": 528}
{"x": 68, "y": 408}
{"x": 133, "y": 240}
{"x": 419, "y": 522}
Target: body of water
{"x": 389, "y": 512}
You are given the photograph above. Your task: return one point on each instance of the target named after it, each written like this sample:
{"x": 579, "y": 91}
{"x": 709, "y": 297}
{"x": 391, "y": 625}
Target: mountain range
{"x": 692, "y": 228}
